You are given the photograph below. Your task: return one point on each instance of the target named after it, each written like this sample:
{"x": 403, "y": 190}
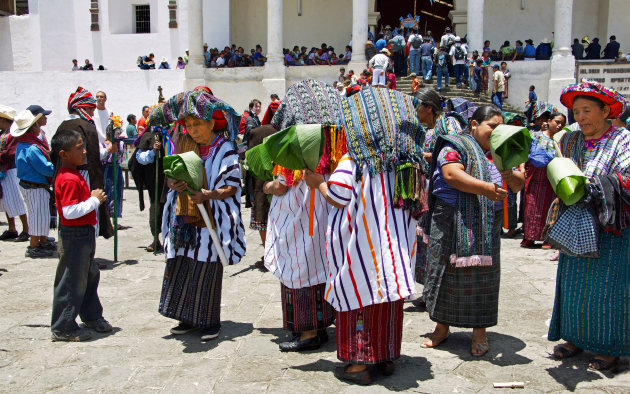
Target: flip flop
{"x": 478, "y": 349}
{"x": 598, "y": 364}
{"x": 560, "y": 352}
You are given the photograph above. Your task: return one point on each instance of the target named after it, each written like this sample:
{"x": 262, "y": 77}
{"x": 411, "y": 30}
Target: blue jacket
{"x": 32, "y": 165}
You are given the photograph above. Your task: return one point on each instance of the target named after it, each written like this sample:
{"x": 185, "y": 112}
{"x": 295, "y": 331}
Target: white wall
{"x": 6, "y": 49}
{"x": 216, "y": 23}
{"x": 328, "y": 21}
{"x": 525, "y": 74}
{"x": 127, "y": 91}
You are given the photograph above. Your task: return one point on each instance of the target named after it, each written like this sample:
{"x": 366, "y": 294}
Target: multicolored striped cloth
{"x": 308, "y": 102}
{"x": 79, "y": 100}
{"x": 198, "y": 103}
{"x": 383, "y": 132}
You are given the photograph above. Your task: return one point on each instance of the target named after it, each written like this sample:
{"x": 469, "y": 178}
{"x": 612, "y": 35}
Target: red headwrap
{"x": 80, "y": 100}
{"x": 271, "y": 111}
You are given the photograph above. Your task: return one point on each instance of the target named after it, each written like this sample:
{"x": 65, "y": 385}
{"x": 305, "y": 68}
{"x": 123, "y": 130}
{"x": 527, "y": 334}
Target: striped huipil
{"x": 291, "y": 254}
{"x": 371, "y": 245}
{"x": 222, "y": 169}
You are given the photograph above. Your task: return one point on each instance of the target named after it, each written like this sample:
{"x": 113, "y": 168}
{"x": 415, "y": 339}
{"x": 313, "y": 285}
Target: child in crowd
{"x": 415, "y": 83}
{"x": 478, "y": 77}
{"x": 34, "y": 170}
{"x": 76, "y": 282}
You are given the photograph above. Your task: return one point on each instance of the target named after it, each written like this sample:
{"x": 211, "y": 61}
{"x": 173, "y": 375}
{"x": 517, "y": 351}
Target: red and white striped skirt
{"x": 370, "y": 335}
{"x": 306, "y": 308}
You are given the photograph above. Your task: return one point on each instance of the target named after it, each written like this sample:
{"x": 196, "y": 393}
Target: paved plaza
{"x": 140, "y": 355}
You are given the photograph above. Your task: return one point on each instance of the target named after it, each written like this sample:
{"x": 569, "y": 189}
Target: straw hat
{"x": 164, "y": 60}
{"x": 22, "y": 122}
{"x": 385, "y": 51}
{"x": 545, "y": 40}
{"x": 7, "y": 112}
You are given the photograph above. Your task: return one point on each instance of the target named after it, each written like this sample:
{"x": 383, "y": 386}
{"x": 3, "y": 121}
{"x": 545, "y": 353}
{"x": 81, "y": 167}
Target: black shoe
{"x": 6, "y": 235}
{"x": 37, "y": 252}
{"x": 182, "y": 328}
{"x": 23, "y": 237}
{"x": 49, "y": 246}
{"x": 100, "y": 325}
{"x": 297, "y": 346}
{"x": 386, "y": 368}
{"x": 323, "y": 336}
{"x": 78, "y": 335}
{"x": 210, "y": 333}
{"x": 363, "y": 378}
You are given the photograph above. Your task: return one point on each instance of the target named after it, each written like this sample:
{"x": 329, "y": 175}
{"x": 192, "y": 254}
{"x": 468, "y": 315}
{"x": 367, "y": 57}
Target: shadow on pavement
{"x": 503, "y": 348}
{"x": 106, "y": 264}
{"x": 248, "y": 268}
{"x": 229, "y": 331}
{"x": 409, "y": 372}
{"x": 282, "y": 335}
{"x": 573, "y": 371}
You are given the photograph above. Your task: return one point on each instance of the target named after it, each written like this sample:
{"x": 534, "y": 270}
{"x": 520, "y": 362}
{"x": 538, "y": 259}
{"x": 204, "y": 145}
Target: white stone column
{"x": 274, "y": 31}
{"x": 562, "y": 27}
{"x": 195, "y": 67}
{"x": 274, "y": 74}
{"x": 474, "y": 25}
{"x": 359, "y": 30}
{"x": 562, "y": 65}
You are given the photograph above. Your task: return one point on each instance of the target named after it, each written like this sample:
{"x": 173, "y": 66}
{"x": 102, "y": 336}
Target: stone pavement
{"x": 141, "y": 356}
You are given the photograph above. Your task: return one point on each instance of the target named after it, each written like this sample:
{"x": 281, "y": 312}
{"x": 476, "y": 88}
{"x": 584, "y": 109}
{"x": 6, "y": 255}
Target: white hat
{"x": 7, "y": 112}
{"x": 545, "y": 40}
{"x": 458, "y": 38}
{"x": 22, "y": 122}
{"x": 164, "y": 59}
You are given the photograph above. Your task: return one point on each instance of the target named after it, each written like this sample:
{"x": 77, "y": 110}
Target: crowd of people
{"x": 397, "y": 191}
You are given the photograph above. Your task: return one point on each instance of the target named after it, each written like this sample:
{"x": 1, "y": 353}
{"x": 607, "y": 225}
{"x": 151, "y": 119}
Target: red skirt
{"x": 370, "y": 335}
{"x": 306, "y": 308}
{"x": 538, "y": 198}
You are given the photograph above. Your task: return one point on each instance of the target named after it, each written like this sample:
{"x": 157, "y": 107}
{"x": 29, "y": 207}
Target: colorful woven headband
{"x": 198, "y": 103}
{"x": 610, "y": 97}
{"x": 80, "y": 100}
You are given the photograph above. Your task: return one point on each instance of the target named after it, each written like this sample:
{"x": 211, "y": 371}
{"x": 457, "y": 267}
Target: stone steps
{"x": 404, "y": 85}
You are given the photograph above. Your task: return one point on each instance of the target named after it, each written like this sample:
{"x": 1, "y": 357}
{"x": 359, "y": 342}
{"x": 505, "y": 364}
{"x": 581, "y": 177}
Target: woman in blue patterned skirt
{"x": 592, "y": 303}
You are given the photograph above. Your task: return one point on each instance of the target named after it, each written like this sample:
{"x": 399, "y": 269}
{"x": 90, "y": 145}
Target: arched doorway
{"x": 433, "y": 17}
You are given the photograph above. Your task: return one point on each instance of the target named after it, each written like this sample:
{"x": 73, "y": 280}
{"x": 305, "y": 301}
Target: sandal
{"x": 599, "y": 364}
{"x": 434, "y": 340}
{"x": 478, "y": 349}
{"x": 561, "y": 352}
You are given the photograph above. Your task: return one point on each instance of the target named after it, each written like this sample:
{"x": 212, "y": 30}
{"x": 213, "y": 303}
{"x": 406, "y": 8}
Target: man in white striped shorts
{"x": 11, "y": 201}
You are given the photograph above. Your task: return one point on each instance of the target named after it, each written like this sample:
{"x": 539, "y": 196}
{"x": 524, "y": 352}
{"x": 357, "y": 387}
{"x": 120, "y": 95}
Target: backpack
{"x": 450, "y": 42}
{"x": 441, "y": 59}
{"x": 459, "y": 52}
{"x": 416, "y": 41}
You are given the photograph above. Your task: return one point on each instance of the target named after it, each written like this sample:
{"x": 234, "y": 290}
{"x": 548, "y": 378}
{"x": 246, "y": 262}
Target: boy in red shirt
{"x": 76, "y": 281}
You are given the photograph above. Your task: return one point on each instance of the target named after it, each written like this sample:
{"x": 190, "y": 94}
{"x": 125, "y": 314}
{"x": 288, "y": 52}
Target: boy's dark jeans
{"x": 76, "y": 280}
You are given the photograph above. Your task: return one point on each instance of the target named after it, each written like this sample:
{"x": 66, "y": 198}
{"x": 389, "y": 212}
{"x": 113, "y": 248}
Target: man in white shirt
{"x": 446, "y": 37}
{"x": 498, "y": 81}
{"x": 101, "y": 116}
{"x": 458, "y": 54}
{"x": 379, "y": 63}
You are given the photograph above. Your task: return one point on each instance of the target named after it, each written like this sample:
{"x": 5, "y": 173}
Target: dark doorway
{"x": 433, "y": 17}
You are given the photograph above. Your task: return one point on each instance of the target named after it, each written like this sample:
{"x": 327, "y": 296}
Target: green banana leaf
{"x": 566, "y": 180}
{"x": 185, "y": 167}
{"x": 297, "y": 147}
{"x": 258, "y": 163}
{"x": 509, "y": 146}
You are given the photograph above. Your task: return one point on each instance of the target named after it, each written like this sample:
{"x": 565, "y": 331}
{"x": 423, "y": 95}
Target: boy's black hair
{"x": 532, "y": 87}
{"x": 130, "y": 116}
{"x": 64, "y": 140}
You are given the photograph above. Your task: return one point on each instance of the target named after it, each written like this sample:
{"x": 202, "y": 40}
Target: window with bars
{"x": 143, "y": 19}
